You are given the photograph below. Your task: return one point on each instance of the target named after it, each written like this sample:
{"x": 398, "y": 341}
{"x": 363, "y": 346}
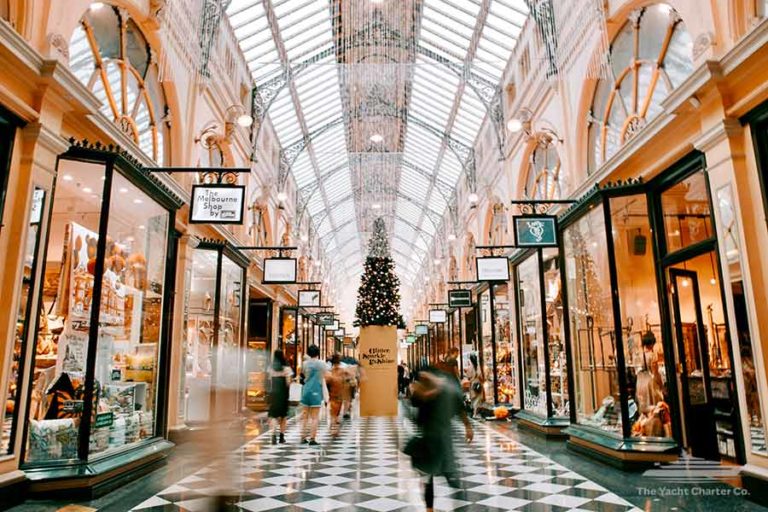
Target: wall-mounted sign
{"x": 334, "y": 326}
{"x": 437, "y": 316}
{"x": 422, "y": 329}
{"x": 38, "y": 196}
{"x": 460, "y": 298}
{"x": 535, "y": 231}
{"x": 217, "y": 204}
{"x": 324, "y": 319}
{"x": 340, "y": 333}
{"x": 493, "y": 268}
{"x": 279, "y": 271}
{"x": 309, "y": 298}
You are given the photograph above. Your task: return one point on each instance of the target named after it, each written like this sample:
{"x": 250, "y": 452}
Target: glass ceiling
{"x": 300, "y": 39}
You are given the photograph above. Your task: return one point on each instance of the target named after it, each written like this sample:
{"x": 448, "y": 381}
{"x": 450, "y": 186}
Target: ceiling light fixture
{"x": 87, "y": 190}
{"x": 244, "y": 120}
{"x": 376, "y": 206}
{"x": 304, "y": 238}
{"x": 377, "y": 138}
{"x": 67, "y": 177}
{"x": 282, "y": 196}
{"x": 123, "y": 190}
{"x": 95, "y": 6}
{"x": 473, "y": 197}
{"x": 451, "y": 237}
{"x": 137, "y": 201}
{"x": 437, "y": 261}
{"x": 514, "y": 125}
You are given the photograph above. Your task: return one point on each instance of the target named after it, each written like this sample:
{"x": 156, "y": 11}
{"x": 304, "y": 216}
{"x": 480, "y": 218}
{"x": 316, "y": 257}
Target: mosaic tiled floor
{"x": 364, "y": 470}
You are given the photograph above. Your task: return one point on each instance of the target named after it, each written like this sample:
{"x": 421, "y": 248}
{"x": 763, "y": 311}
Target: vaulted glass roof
{"x": 407, "y": 79}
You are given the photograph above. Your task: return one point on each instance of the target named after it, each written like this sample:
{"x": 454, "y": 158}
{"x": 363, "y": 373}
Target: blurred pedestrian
{"x": 312, "y": 395}
{"x": 452, "y": 362}
{"x": 280, "y": 379}
{"x": 438, "y": 398}
{"x": 353, "y": 382}
{"x": 476, "y": 385}
{"x": 401, "y": 378}
{"x": 338, "y": 388}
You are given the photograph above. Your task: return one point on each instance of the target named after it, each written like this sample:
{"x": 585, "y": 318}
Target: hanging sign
{"x": 422, "y": 329}
{"x": 437, "y": 316}
{"x": 460, "y": 298}
{"x": 309, "y": 298}
{"x": 493, "y": 268}
{"x": 535, "y": 231}
{"x": 324, "y": 319}
{"x": 217, "y": 204}
{"x": 334, "y": 326}
{"x": 279, "y": 271}
{"x": 410, "y": 339}
{"x": 340, "y": 333}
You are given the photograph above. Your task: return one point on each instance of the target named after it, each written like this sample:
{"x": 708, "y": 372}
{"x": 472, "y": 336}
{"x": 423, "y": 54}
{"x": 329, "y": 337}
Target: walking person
{"x": 438, "y": 398}
{"x": 476, "y": 385}
{"x": 337, "y": 391}
{"x": 312, "y": 395}
{"x": 400, "y": 379}
{"x": 280, "y": 380}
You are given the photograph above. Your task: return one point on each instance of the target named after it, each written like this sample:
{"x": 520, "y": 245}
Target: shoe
{"x": 346, "y": 416}
{"x": 282, "y": 438}
{"x": 274, "y": 439}
{"x": 305, "y": 441}
{"x": 313, "y": 443}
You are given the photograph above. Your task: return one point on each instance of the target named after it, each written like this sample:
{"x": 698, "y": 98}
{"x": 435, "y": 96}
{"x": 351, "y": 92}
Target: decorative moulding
{"x": 58, "y": 48}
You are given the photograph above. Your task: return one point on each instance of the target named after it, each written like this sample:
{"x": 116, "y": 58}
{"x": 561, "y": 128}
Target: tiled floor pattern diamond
{"x": 364, "y": 470}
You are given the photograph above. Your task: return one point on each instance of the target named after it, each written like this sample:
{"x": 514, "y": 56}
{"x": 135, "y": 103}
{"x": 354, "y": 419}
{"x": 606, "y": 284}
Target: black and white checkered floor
{"x": 364, "y": 470}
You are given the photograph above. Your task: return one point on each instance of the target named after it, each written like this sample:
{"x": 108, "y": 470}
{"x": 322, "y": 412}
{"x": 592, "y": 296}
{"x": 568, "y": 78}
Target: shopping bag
{"x": 294, "y": 392}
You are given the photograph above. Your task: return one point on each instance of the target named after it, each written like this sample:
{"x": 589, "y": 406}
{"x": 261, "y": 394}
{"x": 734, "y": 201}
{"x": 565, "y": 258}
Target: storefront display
{"x": 24, "y": 322}
{"x": 487, "y": 348}
{"x": 214, "y": 324}
{"x": 506, "y": 362}
{"x": 289, "y": 342}
{"x": 646, "y": 376}
{"x": 97, "y": 376}
{"x": 258, "y": 353}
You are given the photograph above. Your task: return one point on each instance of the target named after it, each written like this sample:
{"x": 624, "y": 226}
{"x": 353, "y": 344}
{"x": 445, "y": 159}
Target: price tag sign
{"x": 217, "y": 204}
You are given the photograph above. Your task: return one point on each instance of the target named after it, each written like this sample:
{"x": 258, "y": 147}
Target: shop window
{"x": 648, "y": 405}
{"x": 486, "y": 345}
{"x": 749, "y": 350}
{"x": 531, "y": 336}
{"x": 110, "y": 55}
{"x": 544, "y": 181}
{"x": 553, "y": 313}
{"x": 593, "y": 337}
{"x": 687, "y": 215}
{"x": 107, "y": 262}
{"x": 650, "y": 57}
{"x": 506, "y": 374}
{"x": 23, "y": 322}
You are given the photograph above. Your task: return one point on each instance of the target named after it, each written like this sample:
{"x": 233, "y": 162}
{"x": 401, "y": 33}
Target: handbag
{"x": 294, "y": 392}
{"x": 421, "y": 454}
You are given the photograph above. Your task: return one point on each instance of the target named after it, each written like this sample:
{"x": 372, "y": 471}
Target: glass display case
{"x": 543, "y": 364}
{"x": 96, "y": 396}
{"x": 214, "y": 326}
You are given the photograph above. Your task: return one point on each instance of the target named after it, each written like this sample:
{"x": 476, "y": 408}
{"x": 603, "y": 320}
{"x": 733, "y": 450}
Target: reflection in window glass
{"x": 64, "y": 318}
{"x": 687, "y": 216}
{"x": 650, "y": 57}
{"x": 532, "y": 336}
{"x": 505, "y": 360}
{"x": 130, "y": 325}
{"x": 558, "y": 366}
{"x": 593, "y": 339}
{"x": 486, "y": 348}
{"x": 200, "y": 340}
{"x": 648, "y": 406}
{"x": 23, "y": 321}
{"x": 749, "y": 351}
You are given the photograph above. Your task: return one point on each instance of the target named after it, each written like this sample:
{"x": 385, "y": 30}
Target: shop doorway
{"x": 259, "y": 351}
{"x": 702, "y": 359}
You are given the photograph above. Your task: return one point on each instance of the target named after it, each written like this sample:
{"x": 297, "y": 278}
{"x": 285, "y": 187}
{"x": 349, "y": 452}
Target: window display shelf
{"x": 621, "y": 452}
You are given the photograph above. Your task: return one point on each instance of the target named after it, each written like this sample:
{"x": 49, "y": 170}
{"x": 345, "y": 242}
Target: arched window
{"x": 650, "y": 57}
{"x": 544, "y": 179}
{"x": 110, "y": 55}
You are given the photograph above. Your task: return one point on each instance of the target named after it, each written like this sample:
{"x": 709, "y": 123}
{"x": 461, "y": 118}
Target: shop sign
{"x": 324, "y": 319}
{"x": 410, "y": 339}
{"x": 334, "y": 326}
{"x": 217, "y": 204}
{"x": 279, "y": 271}
{"x": 104, "y": 420}
{"x": 422, "y": 329}
{"x": 493, "y": 268}
{"x": 535, "y": 231}
{"x": 309, "y": 298}
{"x": 37, "y": 206}
{"x": 459, "y": 298}
{"x": 437, "y": 316}
{"x": 340, "y": 333}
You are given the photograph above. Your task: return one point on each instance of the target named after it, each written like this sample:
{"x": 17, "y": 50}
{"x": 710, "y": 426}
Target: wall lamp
{"x": 238, "y": 114}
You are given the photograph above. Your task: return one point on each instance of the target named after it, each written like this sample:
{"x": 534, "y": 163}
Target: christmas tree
{"x": 378, "y": 298}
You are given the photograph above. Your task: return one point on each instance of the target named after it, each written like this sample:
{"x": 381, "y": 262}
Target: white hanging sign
{"x": 217, "y": 204}
{"x": 279, "y": 271}
{"x": 493, "y": 268}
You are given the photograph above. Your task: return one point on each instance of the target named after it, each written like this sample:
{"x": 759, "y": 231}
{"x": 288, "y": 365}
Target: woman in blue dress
{"x": 312, "y": 395}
